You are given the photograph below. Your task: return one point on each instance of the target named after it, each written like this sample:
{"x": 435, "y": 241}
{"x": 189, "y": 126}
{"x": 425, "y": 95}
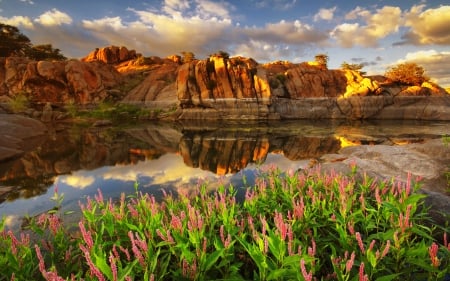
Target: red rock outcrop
{"x": 111, "y": 55}
{"x": 57, "y": 81}
{"x": 157, "y": 88}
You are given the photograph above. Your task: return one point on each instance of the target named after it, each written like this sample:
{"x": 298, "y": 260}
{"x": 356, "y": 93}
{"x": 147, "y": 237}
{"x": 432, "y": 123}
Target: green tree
{"x": 188, "y": 56}
{"x": 322, "y": 59}
{"x": 408, "y": 73}
{"x": 44, "y": 52}
{"x": 12, "y": 41}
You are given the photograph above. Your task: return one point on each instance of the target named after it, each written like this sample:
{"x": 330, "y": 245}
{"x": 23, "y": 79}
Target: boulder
{"x": 111, "y": 55}
{"x": 18, "y": 135}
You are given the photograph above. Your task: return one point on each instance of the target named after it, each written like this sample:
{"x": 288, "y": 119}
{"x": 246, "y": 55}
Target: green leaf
{"x": 388, "y": 277}
{"x": 212, "y": 259}
{"x": 100, "y": 263}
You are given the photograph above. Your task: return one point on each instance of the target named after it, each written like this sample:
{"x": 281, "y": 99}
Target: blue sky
{"x": 376, "y": 33}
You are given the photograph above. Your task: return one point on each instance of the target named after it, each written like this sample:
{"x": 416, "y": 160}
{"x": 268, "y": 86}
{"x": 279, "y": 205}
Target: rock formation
{"x": 220, "y": 87}
{"x": 111, "y": 55}
{"x": 58, "y": 82}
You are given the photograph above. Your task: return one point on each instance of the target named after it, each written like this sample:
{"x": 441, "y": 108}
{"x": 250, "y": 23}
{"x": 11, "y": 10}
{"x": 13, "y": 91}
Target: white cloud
{"x": 288, "y": 32}
{"x": 27, "y": 1}
{"x": 384, "y": 22}
{"x": 428, "y": 27}
{"x": 54, "y": 17}
{"x": 325, "y": 14}
{"x": 212, "y": 9}
{"x": 18, "y": 21}
{"x": 78, "y": 180}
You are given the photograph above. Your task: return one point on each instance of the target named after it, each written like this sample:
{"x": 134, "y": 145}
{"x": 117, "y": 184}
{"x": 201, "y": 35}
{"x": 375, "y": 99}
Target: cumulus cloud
{"x": 384, "y": 22}
{"x": 18, "y": 21}
{"x": 54, "y": 17}
{"x": 427, "y": 27}
{"x": 78, "y": 180}
{"x": 290, "y": 32}
{"x": 325, "y": 14}
{"x": 432, "y": 61}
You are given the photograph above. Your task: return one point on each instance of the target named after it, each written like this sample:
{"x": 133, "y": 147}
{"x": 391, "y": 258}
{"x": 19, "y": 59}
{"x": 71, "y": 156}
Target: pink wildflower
{"x": 99, "y": 196}
{"x": 86, "y": 235}
{"x": 360, "y": 242}
{"x": 433, "y": 250}
{"x": 362, "y": 276}
{"x": 93, "y": 269}
{"x": 134, "y": 213}
{"x": 349, "y": 264}
{"x": 306, "y": 275}
{"x": 386, "y": 249}
{"x": 112, "y": 262}
{"x": 299, "y": 208}
{"x": 137, "y": 253}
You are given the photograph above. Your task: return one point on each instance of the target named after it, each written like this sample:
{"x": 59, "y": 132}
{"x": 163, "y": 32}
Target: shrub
{"x": 407, "y": 73}
{"x": 19, "y": 102}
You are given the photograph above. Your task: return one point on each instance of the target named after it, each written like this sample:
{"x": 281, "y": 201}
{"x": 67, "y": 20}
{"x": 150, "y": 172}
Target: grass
{"x": 19, "y": 103}
{"x": 118, "y": 112}
{"x": 303, "y": 225}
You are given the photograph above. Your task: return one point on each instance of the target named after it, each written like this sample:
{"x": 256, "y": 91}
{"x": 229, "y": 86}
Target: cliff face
{"x": 57, "y": 82}
{"x": 238, "y": 88}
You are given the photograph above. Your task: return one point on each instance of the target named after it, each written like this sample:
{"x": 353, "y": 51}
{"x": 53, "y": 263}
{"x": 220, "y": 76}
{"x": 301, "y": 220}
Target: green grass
{"x": 291, "y": 226}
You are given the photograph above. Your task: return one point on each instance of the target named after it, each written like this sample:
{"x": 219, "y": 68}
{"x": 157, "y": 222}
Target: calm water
{"x": 176, "y": 157}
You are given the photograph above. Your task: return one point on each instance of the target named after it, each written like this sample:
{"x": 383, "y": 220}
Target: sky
{"x": 375, "y": 33}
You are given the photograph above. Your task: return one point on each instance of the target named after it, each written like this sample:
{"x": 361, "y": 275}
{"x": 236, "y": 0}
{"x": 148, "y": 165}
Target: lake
{"x": 176, "y": 157}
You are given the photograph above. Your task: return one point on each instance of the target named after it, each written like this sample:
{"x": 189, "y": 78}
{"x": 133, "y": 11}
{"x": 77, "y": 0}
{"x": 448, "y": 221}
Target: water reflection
{"x": 173, "y": 156}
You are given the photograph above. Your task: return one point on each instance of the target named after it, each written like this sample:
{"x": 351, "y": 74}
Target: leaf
{"x": 212, "y": 259}
{"x": 100, "y": 263}
{"x": 388, "y": 277}
{"x": 126, "y": 271}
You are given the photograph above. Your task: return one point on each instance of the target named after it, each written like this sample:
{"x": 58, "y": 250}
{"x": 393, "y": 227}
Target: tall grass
{"x": 304, "y": 225}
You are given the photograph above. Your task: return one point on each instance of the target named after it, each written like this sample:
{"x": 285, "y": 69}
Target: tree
{"x": 322, "y": 59}
{"x": 353, "y": 66}
{"x": 12, "y": 41}
{"x": 44, "y": 52}
{"x": 408, "y": 73}
{"x": 188, "y": 56}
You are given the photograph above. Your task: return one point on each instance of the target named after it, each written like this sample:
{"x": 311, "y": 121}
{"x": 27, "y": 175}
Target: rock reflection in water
{"x": 219, "y": 148}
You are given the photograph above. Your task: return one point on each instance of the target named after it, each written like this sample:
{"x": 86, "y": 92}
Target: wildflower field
{"x": 304, "y": 225}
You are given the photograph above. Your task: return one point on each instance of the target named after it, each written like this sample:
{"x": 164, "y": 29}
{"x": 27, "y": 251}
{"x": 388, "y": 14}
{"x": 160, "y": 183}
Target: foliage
{"x": 44, "y": 52}
{"x": 291, "y": 226}
{"x": 408, "y": 73}
{"x": 353, "y": 66}
{"x": 19, "y": 102}
{"x": 188, "y": 56}
{"x": 321, "y": 59}
{"x": 222, "y": 54}
{"x": 12, "y": 41}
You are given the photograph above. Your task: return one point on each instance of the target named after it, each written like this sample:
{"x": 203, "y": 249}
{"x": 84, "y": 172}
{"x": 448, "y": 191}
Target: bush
{"x": 407, "y": 73}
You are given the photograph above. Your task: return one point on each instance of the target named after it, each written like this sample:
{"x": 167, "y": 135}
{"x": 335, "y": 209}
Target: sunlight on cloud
{"x": 18, "y": 21}
{"x": 115, "y": 23}
{"x": 167, "y": 168}
{"x": 77, "y": 180}
{"x": 325, "y": 14}
{"x": 54, "y": 17}
{"x": 428, "y": 27}
{"x": 381, "y": 24}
